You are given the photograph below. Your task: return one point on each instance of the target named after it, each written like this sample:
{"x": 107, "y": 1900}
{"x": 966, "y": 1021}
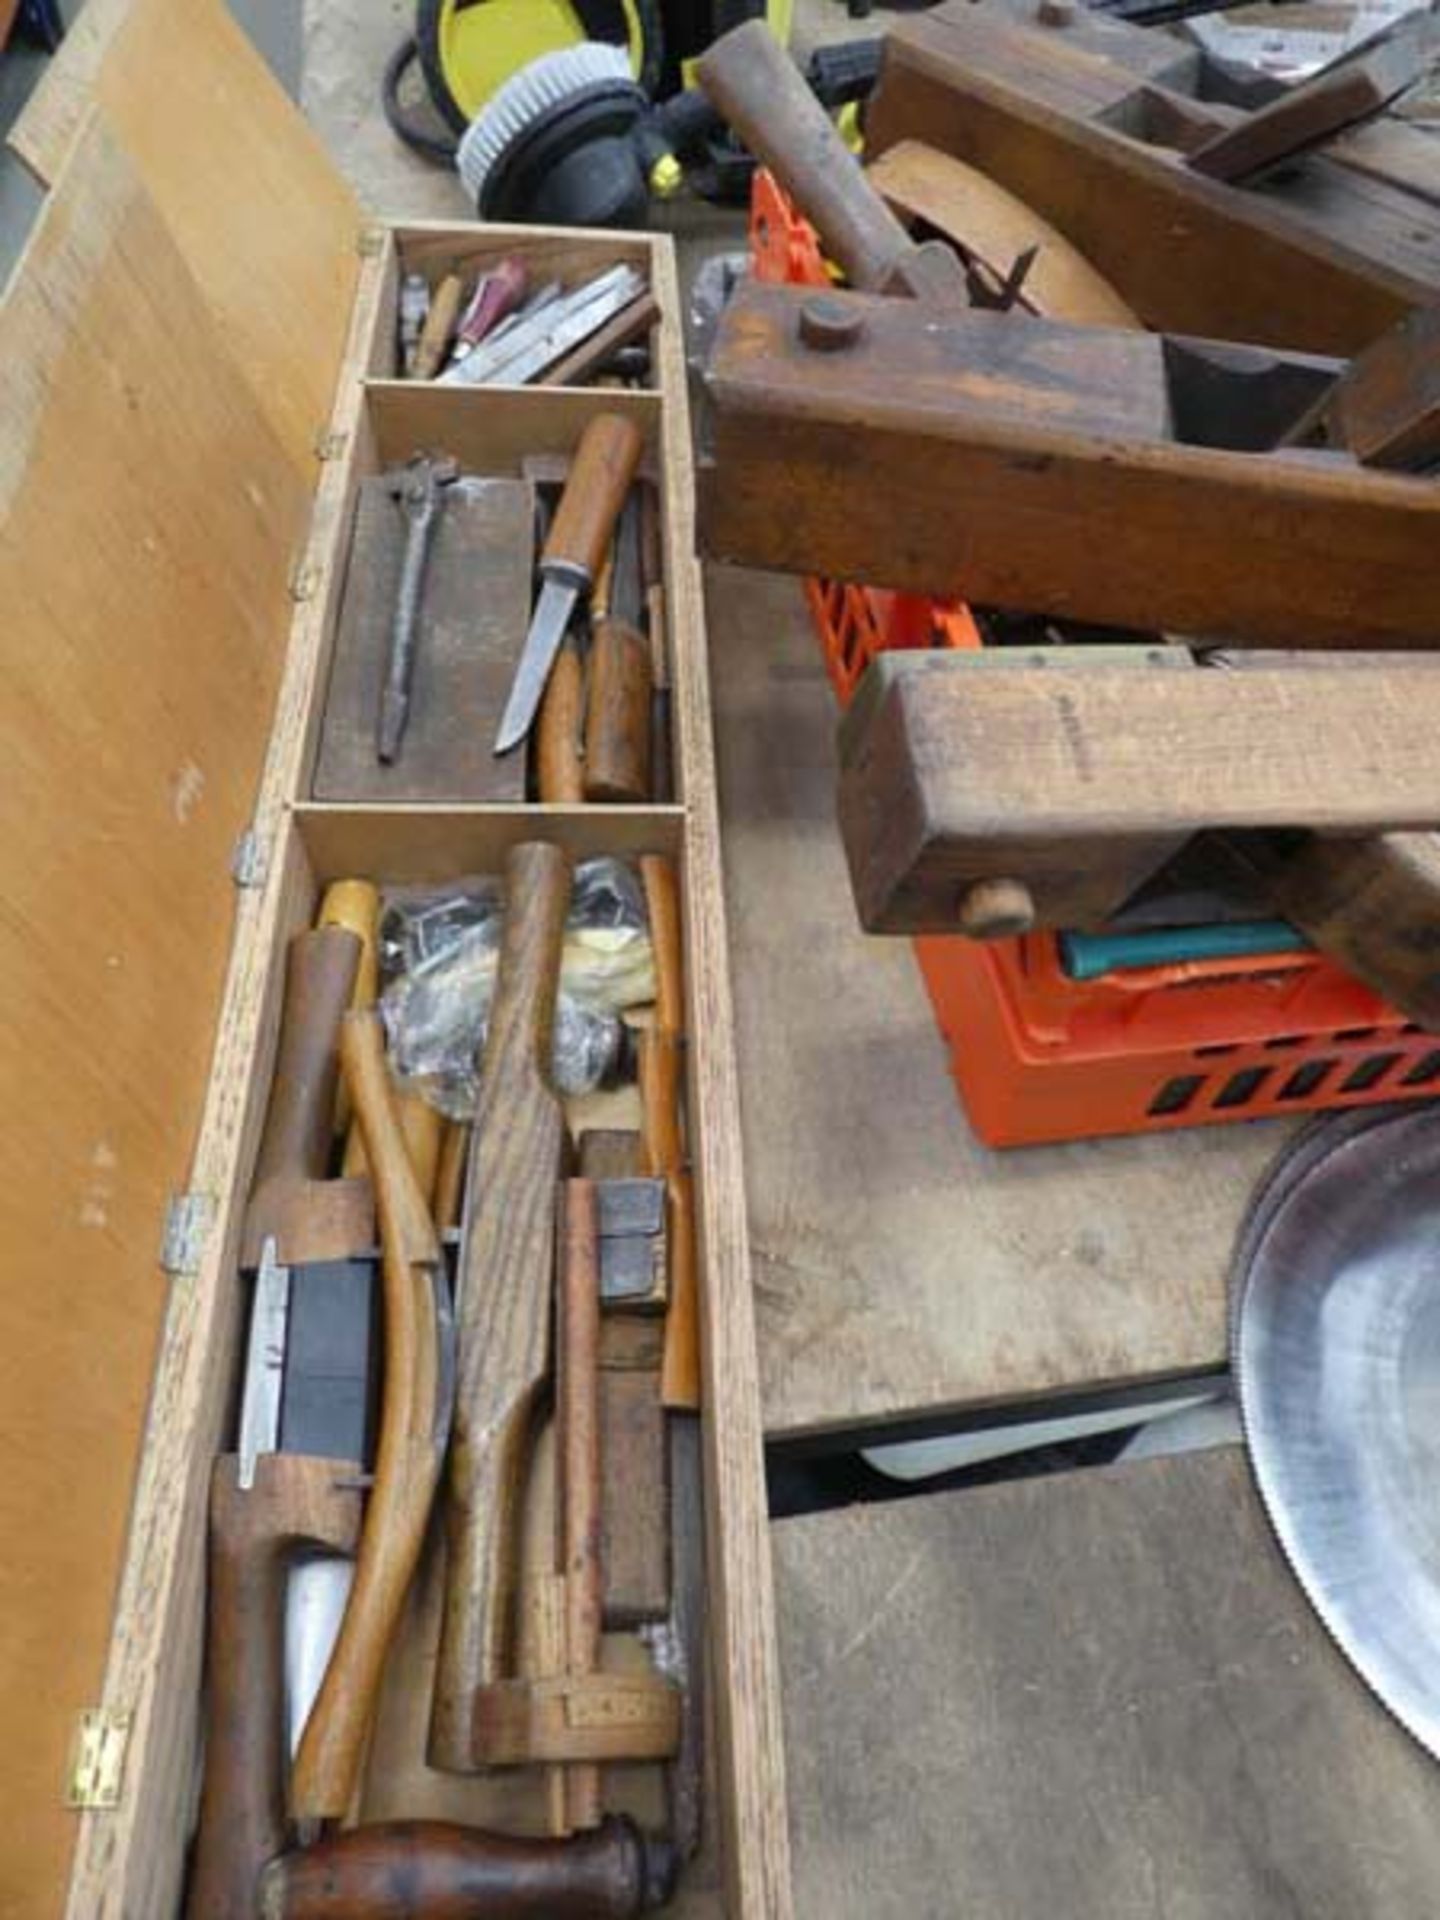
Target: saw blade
{"x": 1335, "y": 1346}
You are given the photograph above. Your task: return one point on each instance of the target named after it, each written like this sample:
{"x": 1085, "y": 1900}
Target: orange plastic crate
{"x": 1038, "y": 1056}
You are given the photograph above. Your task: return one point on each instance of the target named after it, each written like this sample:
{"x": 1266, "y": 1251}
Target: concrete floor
{"x": 329, "y": 54}
{"x": 276, "y": 27}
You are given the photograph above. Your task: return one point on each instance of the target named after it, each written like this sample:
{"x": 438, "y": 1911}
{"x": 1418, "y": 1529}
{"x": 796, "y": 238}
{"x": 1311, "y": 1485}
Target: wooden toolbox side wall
{"x": 742, "y": 1595}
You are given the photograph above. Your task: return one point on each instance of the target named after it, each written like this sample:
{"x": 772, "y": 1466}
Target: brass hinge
{"x": 249, "y": 861}
{"x": 188, "y": 1220}
{"x": 329, "y": 445}
{"x": 369, "y": 242}
{"x": 97, "y": 1759}
{"x": 304, "y": 580}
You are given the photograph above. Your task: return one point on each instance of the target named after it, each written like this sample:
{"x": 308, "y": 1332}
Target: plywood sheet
{"x": 262, "y": 218}
{"x": 148, "y": 515}
{"x": 1100, "y": 1696}
{"x": 901, "y": 1268}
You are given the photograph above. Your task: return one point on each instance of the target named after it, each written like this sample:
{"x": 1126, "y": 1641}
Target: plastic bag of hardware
{"x": 440, "y": 950}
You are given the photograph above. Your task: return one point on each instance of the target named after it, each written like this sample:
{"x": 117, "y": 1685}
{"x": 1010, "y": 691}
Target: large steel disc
{"x": 1336, "y": 1350}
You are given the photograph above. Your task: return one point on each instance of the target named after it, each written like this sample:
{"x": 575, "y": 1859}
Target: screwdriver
{"x": 600, "y": 476}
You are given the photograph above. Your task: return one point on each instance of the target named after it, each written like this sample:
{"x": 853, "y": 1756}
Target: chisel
{"x": 600, "y": 476}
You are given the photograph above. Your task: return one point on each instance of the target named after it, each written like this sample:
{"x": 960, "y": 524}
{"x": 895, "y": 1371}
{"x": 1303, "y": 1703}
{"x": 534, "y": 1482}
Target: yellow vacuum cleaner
{"x": 571, "y": 111}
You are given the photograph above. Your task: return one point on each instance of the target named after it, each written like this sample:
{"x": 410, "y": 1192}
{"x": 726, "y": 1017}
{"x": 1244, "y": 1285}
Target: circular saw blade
{"x": 1336, "y": 1354}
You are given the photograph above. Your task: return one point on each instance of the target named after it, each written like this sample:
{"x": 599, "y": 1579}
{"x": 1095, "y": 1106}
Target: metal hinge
{"x": 370, "y": 242}
{"x": 249, "y": 861}
{"x": 329, "y": 445}
{"x": 304, "y": 580}
{"x": 97, "y": 1759}
{"x": 188, "y": 1220}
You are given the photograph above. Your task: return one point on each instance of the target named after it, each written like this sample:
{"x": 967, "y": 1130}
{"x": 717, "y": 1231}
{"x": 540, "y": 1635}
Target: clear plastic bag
{"x": 440, "y": 949}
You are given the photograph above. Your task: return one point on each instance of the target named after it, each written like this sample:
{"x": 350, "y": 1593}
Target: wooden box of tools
{"x": 197, "y": 357}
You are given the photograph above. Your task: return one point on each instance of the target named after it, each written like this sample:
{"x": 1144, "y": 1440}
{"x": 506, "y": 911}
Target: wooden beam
{"x": 1022, "y": 463}
{"x": 1078, "y": 781}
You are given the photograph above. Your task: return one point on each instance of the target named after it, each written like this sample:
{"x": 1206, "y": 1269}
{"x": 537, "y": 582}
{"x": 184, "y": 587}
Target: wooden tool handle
{"x": 662, "y": 908}
{"x": 504, "y": 1298}
{"x": 578, "y": 1402}
{"x": 522, "y": 1013}
{"x": 660, "y": 1066}
{"x": 662, "y": 1156}
{"x": 600, "y": 476}
{"x": 439, "y": 328}
{"x": 560, "y": 776}
{"x": 407, "y": 1869}
{"x": 295, "y": 1145}
{"x": 424, "y": 1129}
{"x": 662, "y": 1139}
{"x": 411, "y": 1448}
{"x": 295, "y": 1501}
{"x": 760, "y": 91}
{"x": 355, "y": 906}
{"x": 680, "y": 1369}
{"x": 450, "y": 1179}
{"x": 617, "y": 716}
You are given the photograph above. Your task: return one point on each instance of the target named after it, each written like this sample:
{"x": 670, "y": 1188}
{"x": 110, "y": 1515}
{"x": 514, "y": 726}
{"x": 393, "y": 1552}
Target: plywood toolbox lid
{"x": 168, "y": 353}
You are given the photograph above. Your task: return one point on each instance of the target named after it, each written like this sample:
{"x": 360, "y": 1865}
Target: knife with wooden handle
{"x": 504, "y": 1299}
{"x": 600, "y": 475}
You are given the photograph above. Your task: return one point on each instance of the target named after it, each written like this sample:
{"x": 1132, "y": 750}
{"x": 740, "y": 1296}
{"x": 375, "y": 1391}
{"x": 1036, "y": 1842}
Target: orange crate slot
{"x": 1040, "y": 1057}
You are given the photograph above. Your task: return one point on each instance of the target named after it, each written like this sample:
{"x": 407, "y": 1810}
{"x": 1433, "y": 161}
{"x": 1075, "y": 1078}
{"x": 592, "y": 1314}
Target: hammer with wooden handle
{"x": 600, "y": 475}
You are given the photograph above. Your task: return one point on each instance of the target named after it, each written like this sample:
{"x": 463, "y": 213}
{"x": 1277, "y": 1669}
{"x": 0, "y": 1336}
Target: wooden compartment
{"x": 568, "y": 257}
{"x": 194, "y": 360}
{"x": 491, "y": 432}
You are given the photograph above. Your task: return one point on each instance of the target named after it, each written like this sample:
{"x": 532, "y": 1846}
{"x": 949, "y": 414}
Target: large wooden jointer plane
{"x": 1002, "y": 791}
{"x": 1093, "y": 474}
{"x": 1312, "y": 221}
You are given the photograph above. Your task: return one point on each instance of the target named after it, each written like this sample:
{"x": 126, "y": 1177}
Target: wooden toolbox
{"x": 196, "y": 359}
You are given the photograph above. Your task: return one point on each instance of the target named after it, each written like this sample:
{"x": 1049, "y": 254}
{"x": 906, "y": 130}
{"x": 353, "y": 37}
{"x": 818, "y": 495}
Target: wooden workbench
{"x": 903, "y": 1271}
{"x": 1098, "y": 1696}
